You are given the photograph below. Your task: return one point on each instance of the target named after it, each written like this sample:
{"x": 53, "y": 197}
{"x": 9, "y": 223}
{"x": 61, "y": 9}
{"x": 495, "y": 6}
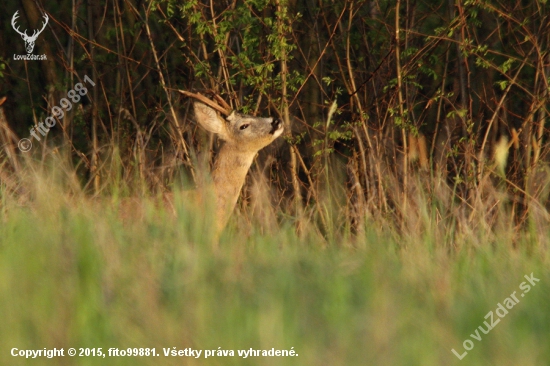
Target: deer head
{"x": 241, "y": 131}
{"x": 244, "y": 136}
{"x": 29, "y": 40}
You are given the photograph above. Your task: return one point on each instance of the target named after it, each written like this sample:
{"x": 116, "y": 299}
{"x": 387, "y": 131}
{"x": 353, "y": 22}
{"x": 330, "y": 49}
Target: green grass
{"x": 73, "y": 274}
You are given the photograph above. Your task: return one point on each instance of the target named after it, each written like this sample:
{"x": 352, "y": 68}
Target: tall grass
{"x": 409, "y": 197}
{"x": 75, "y": 273}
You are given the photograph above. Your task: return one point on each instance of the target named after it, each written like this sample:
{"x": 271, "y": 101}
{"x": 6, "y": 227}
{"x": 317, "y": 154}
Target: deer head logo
{"x": 29, "y": 40}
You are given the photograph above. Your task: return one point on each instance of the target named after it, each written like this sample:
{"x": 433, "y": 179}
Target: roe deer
{"x": 243, "y": 137}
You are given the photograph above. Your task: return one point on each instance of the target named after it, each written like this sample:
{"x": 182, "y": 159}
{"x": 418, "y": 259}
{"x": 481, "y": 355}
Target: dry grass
{"x": 406, "y": 288}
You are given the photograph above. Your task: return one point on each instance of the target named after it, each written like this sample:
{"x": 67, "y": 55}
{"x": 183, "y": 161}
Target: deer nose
{"x": 275, "y": 125}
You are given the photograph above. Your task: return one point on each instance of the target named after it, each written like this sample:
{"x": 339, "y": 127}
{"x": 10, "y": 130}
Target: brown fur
{"x": 244, "y": 136}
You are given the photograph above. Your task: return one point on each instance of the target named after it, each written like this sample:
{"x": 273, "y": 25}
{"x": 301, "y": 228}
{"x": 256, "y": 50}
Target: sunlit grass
{"x": 73, "y": 273}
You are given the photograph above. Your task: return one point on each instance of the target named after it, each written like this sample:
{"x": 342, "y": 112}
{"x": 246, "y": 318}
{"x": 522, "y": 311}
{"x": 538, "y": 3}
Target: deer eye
{"x": 244, "y": 127}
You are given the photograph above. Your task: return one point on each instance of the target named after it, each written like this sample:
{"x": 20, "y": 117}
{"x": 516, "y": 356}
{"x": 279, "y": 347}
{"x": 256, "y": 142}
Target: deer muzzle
{"x": 276, "y": 125}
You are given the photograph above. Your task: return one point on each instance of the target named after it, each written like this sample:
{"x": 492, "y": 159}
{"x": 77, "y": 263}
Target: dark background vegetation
{"x": 439, "y": 93}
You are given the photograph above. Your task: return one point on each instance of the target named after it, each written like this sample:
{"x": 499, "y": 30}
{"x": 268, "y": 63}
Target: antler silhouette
{"x": 29, "y": 40}
{"x": 46, "y": 18}
{"x": 224, "y": 109}
{"x": 15, "y": 16}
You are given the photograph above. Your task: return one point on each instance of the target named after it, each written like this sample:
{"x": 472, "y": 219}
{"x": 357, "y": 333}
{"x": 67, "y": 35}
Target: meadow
{"x": 74, "y": 273}
{"x": 401, "y": 218}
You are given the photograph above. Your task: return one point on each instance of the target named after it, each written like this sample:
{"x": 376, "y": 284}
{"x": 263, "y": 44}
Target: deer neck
{"x": 228, "y": 175}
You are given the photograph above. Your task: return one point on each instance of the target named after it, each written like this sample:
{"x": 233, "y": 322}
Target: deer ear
{"x": 208, "y": 118}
